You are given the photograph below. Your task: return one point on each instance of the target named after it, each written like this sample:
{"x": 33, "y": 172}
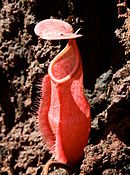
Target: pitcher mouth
{"x": 74, "y": 55}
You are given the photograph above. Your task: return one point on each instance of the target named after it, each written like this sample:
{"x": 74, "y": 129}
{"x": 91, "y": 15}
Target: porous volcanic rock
{"x": 24, "y": 60}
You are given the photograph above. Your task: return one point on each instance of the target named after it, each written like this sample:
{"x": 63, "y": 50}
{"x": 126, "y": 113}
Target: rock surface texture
{"x": 24, "y": 60}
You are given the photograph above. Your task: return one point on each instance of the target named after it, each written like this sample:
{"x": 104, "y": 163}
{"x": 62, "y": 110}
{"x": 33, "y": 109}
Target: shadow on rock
{"x": 5, "y": 101}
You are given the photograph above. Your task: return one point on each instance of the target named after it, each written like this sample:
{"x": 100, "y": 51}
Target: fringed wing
{"x": 46, "y": 132}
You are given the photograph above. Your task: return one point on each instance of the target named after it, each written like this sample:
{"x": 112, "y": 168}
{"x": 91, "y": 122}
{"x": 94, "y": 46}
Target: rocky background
{"x": 24, "y": 59}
